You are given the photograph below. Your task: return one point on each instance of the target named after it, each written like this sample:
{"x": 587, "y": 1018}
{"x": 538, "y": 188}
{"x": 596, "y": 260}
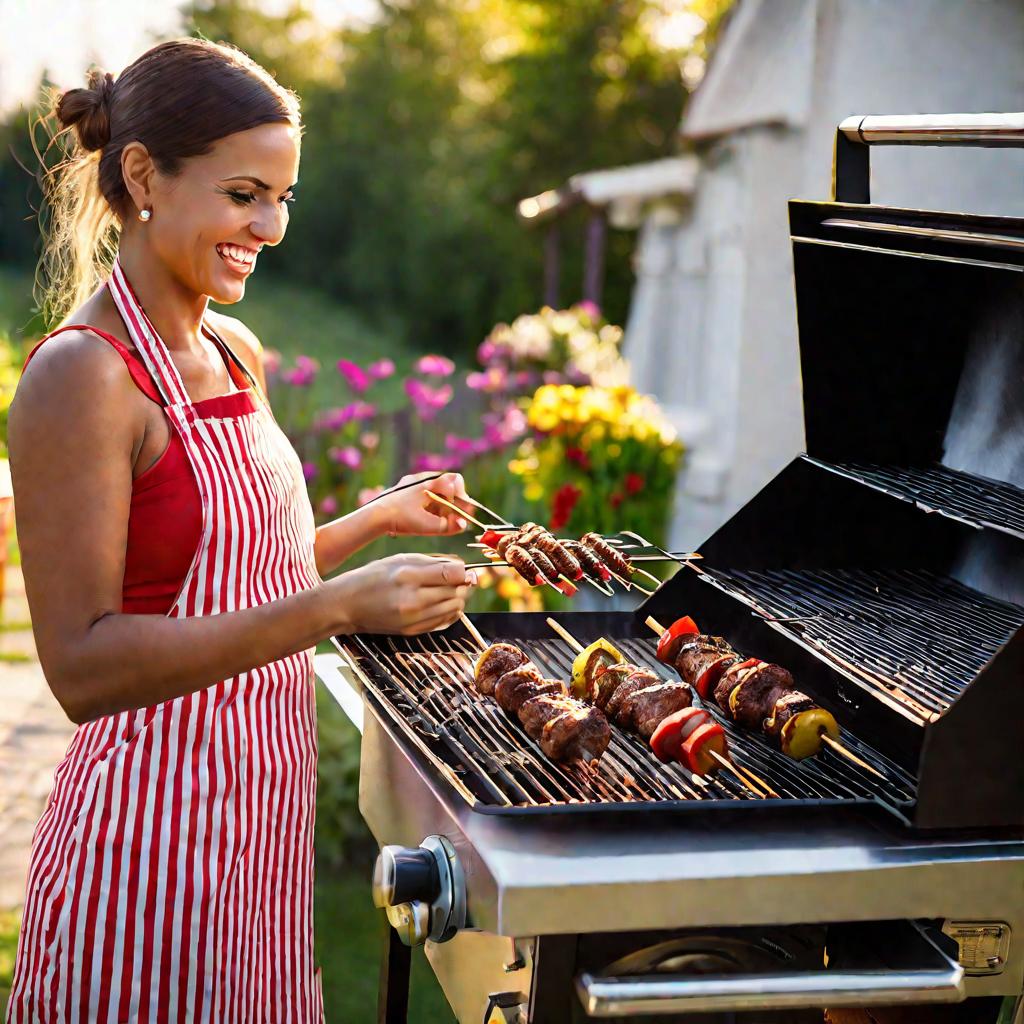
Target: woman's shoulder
{"x": 241, "y": 338}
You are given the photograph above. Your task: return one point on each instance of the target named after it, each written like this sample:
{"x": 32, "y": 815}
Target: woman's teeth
{"x": 237, "y": 259}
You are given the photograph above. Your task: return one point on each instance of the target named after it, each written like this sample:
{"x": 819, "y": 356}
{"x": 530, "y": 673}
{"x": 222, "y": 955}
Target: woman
{"x": 173, "y": 569}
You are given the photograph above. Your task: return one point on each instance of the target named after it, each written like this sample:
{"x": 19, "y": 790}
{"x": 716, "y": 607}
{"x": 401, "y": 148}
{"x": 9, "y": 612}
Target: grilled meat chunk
{"x": 541, "y": 560}
{"x": 566, "y": 728}
{"x": 759, "y": 689}
{"x": 589, "y": 562}
{"x": 636, "y": 680}
{"x": 522, "y": 561}
{"x": 612, "y": 557}
{"x": 787, "y": 707}
{"x": 493, "y": 663}
{"x": 609, "y": 680}
{"x": 695, "y": 652}
{"x": 556, "y": 550}
{"x": 643, "y": 710}
{"x": 515, "y": 688}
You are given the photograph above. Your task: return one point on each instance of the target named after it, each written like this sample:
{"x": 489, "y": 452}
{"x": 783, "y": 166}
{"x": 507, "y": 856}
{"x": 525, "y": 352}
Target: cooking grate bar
{"x": 888, "y": 626}
{"x": 427, "y": 681}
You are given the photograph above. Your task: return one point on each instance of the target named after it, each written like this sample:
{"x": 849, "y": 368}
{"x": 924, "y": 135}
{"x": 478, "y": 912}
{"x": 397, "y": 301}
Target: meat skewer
{"x": 639, "y": 701}
{"x": 755, "y": 694}
{"x": 565, "y": 728}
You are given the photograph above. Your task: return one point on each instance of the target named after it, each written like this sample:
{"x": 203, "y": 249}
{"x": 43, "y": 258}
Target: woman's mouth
{"x": 238, "y": 259}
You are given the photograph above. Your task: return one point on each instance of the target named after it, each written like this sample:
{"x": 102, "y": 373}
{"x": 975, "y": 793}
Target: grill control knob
{"x": 423, "y": 890}
{"x": 402, "y": 874}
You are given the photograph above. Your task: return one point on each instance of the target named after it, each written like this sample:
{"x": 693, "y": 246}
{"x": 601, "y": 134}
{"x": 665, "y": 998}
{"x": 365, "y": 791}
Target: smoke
{"x": 985, "y": 437}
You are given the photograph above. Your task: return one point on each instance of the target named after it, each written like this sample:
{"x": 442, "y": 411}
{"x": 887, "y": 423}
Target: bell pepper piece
{"x": 706, "y": 681}
{"x": 697, "y": 748}
{"x": 566, "y": 587}
{"x": 734, "y": 693}
{"x": 801, "y": 735}
{"x": 667, "y": 739}
{"x": 681, "y": 627}
{"x": 600, "y": 654}
{"x": 490, "y": 538}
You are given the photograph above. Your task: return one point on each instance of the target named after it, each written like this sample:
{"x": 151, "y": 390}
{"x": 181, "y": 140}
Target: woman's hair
{"x": 177, "y": 99}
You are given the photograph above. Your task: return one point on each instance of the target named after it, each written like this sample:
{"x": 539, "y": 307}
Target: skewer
{"x": 577, "y": 647}
{"x": 505, "y": 524}
{"x": 455, "y": 508}
{"x": 850, "y": 755}
{"x": 629, "y": 584}
{"x": 753, "y": 782}
{"x": 838, "y": 747}
{"x": 473, "y": 631}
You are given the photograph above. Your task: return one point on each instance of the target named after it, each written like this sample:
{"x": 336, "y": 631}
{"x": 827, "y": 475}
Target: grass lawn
{"x": 349, "y": 940}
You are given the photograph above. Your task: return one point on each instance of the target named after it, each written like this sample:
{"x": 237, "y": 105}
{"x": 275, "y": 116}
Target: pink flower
{"x": 349, "y": 457}
{"x": 354, "y": 375}
{"x": 524, "y": 379}
{"x": 335, "y": 419}
{"x": 329, "y": 505}
{"x": 435, "y": 366}
{"x": 363, "y": 411}
{"x": 368, "y": 494}
{"x": 299, "y": 376}
{"x": 459, "y": 445}
{"x": 369, "y": 440}
{"x": 381, "y": 369}
{"x": 309, "y": 470}
{"x": 494, "y": 379}
{"x": 552, "y": 377}
{"x": 487, "y": 351}
{"x": 589, "y": 308}
{"x": 271, "y": 361}
{"x": 427, "y": 462}
{"x": 426, "y": 399}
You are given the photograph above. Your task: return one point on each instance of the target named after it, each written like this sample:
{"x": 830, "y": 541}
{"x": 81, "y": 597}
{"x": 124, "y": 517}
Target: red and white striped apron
{"x": 171, "y": 876}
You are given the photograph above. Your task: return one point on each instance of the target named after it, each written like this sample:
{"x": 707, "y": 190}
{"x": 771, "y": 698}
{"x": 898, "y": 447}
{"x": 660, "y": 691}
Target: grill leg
{"x": 393, "y": 992}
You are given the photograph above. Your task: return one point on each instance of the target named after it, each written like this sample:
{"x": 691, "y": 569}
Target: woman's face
{"x": 234, "y": 198}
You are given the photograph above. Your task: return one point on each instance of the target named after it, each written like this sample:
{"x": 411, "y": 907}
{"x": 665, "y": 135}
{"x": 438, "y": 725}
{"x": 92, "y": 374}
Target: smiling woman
{"x": 173, "y": 568}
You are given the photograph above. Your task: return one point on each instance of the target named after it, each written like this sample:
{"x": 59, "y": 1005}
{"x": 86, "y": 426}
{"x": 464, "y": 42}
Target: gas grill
{"x": 884, "y": 568}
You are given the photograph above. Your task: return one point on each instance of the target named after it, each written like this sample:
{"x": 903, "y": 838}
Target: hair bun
{"x": 88, "y": 110}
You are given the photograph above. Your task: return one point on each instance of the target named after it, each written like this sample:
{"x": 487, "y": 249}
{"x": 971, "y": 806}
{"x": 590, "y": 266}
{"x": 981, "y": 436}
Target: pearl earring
{"x": 144, "y": 215}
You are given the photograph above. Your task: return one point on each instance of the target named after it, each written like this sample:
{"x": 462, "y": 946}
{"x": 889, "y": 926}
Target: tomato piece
{"x": 667, "y": 739}
{"x": 697, "y": 748}
{"x": 490, "y": 538}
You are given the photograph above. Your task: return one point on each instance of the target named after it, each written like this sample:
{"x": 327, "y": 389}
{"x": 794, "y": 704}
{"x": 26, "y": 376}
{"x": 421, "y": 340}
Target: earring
{"x": 144, "y": 215}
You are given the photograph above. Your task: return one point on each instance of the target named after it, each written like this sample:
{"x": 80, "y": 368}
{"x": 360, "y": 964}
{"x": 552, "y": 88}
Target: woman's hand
{"x": 405, "y": 594}
{"x": 407, "y": 511}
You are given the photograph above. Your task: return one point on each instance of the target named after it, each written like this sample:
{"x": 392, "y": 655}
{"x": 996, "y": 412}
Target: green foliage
{"x": 341, "y": 836}
{"x": 434, "y": 122}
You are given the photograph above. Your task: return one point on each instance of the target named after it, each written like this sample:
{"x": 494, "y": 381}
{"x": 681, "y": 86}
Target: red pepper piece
{"x": 696, "y": 749}
{"x": 491, "y": 538}
{"x": 667, "y": 739}
{"x": 708, "y": 679}
{"x": 681, "y": 627}
{"x": 566, "y": 588}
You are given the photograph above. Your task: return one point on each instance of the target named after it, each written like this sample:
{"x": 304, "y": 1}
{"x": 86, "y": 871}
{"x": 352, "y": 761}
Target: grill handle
{"x": 855, "y": 135}
{"x": 919, "y": 973}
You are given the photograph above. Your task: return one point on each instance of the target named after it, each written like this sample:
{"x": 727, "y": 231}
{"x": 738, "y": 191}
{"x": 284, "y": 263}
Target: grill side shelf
{"x": 972, "y": 500}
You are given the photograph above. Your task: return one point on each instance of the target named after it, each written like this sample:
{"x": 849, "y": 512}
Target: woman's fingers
{"x": 441, "y": 615}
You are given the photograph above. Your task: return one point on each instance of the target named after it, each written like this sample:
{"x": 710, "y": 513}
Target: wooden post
{"x": 593, "y": 265}
{"x": 552, "y": 264}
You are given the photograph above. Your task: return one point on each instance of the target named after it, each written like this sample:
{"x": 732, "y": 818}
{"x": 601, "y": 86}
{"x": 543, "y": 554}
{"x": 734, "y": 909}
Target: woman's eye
{"x": 249, "y": 197}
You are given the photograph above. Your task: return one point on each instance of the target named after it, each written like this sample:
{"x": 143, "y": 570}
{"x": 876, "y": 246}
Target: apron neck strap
{"x": 146, "y": 339}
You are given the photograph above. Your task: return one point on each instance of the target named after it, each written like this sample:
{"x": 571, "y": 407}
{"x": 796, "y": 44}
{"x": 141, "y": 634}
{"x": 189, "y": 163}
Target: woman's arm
{"x": 74, "y": 427}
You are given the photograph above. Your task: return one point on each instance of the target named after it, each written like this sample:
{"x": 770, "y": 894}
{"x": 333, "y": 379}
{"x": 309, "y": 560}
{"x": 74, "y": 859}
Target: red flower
{"x": 616, "y": 499}
{"x": 579, "y": 456}
{"x": 563, "y": 501}
{"x": 634, "y": 483}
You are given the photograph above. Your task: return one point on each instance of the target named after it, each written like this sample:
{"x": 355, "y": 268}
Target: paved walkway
{"x": 34, "y": 733}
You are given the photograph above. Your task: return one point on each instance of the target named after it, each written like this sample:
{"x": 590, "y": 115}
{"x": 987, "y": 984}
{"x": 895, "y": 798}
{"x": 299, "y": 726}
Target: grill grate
{"x": 886, "y": 627}
{"x": 425, "y": 685}
{"x": 971, "y": 499}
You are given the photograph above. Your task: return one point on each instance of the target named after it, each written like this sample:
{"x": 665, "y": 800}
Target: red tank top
{"x": 165, "y": 521}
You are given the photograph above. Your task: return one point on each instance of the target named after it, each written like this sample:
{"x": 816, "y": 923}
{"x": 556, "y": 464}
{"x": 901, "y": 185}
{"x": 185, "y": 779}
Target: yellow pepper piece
{"x": 584, "y": 667}
{"x": 801, "y": 735}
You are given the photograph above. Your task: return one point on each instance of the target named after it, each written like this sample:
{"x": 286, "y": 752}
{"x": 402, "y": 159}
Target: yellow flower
{"x": 533, "y": 491}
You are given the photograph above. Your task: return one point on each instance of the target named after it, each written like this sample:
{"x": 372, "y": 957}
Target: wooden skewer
{"x": 473, "y": 631}
{"x": 455, "y": 508}
{"x": 753, "y": 782}
{"x": 490, "y": 511}
{"x": 565, "y": 635}
{"x": 839, "y": 748}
